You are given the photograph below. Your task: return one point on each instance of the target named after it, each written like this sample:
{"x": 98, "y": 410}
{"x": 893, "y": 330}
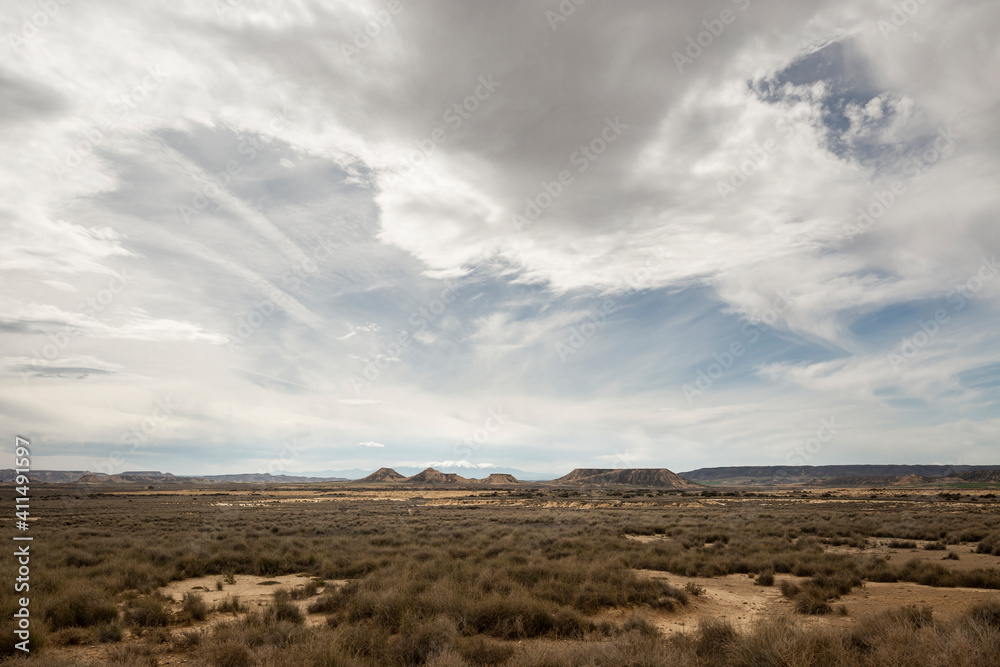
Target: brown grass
{"x": 524, "y": 580}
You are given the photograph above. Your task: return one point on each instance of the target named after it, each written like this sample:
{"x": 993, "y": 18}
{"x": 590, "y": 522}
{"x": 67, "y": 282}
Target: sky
{"x": 249, "y": 236}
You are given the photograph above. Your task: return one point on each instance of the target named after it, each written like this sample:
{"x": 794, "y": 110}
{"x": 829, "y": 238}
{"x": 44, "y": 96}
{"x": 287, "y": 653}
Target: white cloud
{"x": 103, "y": 153}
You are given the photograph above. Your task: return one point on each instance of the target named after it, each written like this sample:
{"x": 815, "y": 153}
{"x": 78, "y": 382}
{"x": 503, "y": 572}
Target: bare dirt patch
{"x": 253, "y": 591}
{"x": 254, "y": 594}
{"x": 737, "y": 599}
{"x": 734, "y": 598}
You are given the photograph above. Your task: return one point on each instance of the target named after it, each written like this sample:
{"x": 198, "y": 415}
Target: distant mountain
{"x": 462, "y": 468}
{"x": 154, "y": 476}
{"x": 49, "y": 476}
{"x": 269, "y": 478}
{"x": 981, "y": 476}
{"x": 651, "y": 477}
{"x": 883, "y": 480}
{"x": 771, "y": 475}
{"x": 349, "y": 474}
{"x": 431, "y": 476}
{"x": 90, "y": 478}
{"x": 466, "y": 469}
{"x": 383, "y": 475}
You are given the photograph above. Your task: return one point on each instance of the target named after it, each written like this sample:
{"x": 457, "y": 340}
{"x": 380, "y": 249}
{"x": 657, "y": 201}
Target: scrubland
{"x": 512, "y": 577}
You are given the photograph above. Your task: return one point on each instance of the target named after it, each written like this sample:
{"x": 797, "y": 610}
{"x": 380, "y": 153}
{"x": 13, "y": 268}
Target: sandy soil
{"x": 735, "y": 598}
{"x": 253, "y": 591}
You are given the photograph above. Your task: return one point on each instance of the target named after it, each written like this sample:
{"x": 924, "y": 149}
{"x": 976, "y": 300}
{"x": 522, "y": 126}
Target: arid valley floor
{"x": 528, "y": 574}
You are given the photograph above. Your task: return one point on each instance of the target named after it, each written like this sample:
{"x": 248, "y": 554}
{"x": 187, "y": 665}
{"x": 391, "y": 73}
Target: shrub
{"x": 811, "y": 602}
{"x": 640, "y": 625}
{"x": 79, "y": 607}
{"x": 283, "y": 609}
{"x": 902, "y": 544}
{"x": 765, "y": 578}
{"x": 989, "y": 545}
{"x": 146, "y": 612}
{"x": 187, "y": 640}
{"x": 193, "y": 607}
{"x": 229, "y": 653}
{"x": 789, "y": 588}
{"x": 109, "y": 632}
{"x": 132, "y": 655}
{"x": 71, "y": 637}
{"x": 714, "y": 637}
{"x": 417, "y": 641}
{"x": 985, "y": 613}
{"x": 231, "y": 605}
{"x": 694, "y": 589}
{"x": 478, "y": 650}
{"x": 327, "y": 604}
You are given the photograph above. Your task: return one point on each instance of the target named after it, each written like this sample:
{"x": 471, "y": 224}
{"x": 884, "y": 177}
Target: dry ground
{"x": 532, "y": 575}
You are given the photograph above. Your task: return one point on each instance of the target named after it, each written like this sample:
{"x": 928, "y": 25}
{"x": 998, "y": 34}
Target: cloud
{"x": 809, "y": 188}
{"x": 370, "y": 444}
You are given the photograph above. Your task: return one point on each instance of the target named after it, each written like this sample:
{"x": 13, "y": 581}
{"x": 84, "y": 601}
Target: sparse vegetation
{"x": 193, "y": 607}
{"x": 474, "y": 584}
{"x": 230, "y": 605}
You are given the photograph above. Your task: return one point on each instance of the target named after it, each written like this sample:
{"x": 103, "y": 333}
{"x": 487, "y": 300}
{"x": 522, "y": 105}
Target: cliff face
{"x": 498, "y": 478}
{"x": 770, "y": 475}
{"x": 652, "y": 477}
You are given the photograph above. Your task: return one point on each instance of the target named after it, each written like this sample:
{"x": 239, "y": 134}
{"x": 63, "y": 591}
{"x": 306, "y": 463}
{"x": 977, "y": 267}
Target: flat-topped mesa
{"x": 91, "y": 478}
{"x": 432, "y": 476}
{"x": 881, "y": 480}
{"x": 499, "y": 478}
{"x": 652, "y": 477}
{"x": 383, "y": 475}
